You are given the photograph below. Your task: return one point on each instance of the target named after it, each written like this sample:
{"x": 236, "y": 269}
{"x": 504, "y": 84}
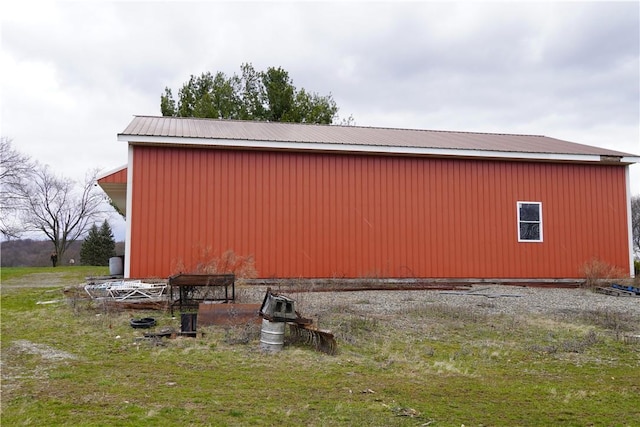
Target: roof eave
{"x": 377, "y": 149}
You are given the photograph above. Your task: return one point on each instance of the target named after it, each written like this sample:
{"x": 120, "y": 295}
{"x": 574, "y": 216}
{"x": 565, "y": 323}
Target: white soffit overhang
{"x": 375, "y": 149}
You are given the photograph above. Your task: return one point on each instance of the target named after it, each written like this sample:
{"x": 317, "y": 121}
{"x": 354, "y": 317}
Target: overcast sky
{"x": 74, "y": 74}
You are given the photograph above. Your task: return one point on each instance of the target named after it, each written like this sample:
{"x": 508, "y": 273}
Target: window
{"x": 529, "y": 222}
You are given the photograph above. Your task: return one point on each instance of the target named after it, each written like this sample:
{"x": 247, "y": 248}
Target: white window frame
{"x": 518, "y": 205}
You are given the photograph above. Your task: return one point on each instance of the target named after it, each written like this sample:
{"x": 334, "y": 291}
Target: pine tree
{"x": 107, "y": 243}
{"x": 98, "y": 246}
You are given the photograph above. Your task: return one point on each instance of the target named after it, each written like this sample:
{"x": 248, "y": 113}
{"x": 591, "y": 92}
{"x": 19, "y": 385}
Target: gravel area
{"x": 492, "y": 299}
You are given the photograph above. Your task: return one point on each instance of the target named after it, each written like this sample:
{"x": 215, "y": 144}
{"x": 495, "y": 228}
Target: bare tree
{"x": 15, "y": 170}
{"x": 54, "y": 206}
{"x": 635, "y": 222}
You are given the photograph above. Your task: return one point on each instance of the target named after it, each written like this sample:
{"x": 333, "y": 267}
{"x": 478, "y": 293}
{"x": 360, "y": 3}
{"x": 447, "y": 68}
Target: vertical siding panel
{"x": 526, "y": 260}
{"x": 330, "y": 219}
{"x": 503, "y": 212}
{"x": 322, "y": 217}
{"x": 603, "y": 209}
{"x": 608, "y": 210}
{"x": 414, "y": 231}
{"x": 340, "y": 219}
{"x": 394, "y": 225}
{"x": 298, "y": 215}
{"x": 456, "y": 195}
{"x": 175, "y": 229}
{"x": 290, "y": 223}
{"x": 144, "y": 184}
{"x": 193, "y": 185}
{"x": 208, "y": 196}
{"x": 180, "y": 219}
{"x": 320, "y": 231}
{"x": 549, "y": 219}
{"x": 390, "y": 201}
{"x": 512, "y": 235}
{"x": 435, "y": 201}
{"x": 422, "y": 198}
{"x": 226, "y": 180}
{"x": 262, "y": 238}
{"x": 216, "y": 201}
{"x": 262, "y": 256}
{"x": 428, "y": 193}
{"x": 187, "y": 214}
{"x": 505, "y": 222}
{"x": 479, "y": 209}
{"x": 473, "y": 219}
{"x": 266, "y": 188}
{"x": 338, "y": 208}
{"x": 449, "y": 220}
{"x": 572, "y": 211}
{"x": 376, "y": 241}
{"x": 418, "y": 239}
{"x": 583, "y": 212}
{"x": 374, "y": 186}
{"x": 361, "y": 252}
{"x": 305, "y": 196}
{"x": 357, "y": 254}
{"x": 368, "y": 211}
{"x": 353, "y": 222}
{"x": 148, "y": 180}
{"x": 435, "y": 183}
{"x": 537, "y": 258}
{"x": 278, "y": 209}
{"x": 498, "y": 219}
{"x": 253, "y": 208}
{"x": 311, "y": 211}
{"x": 269, "y": 187}
{"x": 236, "y": 214}
{"x": 238, "y": 210}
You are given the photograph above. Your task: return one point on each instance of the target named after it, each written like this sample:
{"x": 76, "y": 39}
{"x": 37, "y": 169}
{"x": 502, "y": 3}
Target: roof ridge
{"x": 342, "y": 126}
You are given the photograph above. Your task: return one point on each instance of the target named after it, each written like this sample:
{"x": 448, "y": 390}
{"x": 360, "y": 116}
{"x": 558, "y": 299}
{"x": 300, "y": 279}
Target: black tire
{"x": 146, "y": 322}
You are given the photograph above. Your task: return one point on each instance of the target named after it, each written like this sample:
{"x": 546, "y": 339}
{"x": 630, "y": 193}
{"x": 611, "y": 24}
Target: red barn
{"x": 317, "y": 201}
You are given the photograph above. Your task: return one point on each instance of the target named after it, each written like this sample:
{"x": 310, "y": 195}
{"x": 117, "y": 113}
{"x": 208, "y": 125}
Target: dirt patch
{"x": 42, "y": 350}
{"x": 12, "y": 374}
{"x": 37, "y": 280}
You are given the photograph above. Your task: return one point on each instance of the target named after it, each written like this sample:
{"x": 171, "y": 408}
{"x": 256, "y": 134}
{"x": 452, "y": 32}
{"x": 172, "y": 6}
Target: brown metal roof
{"x": 354, "y": 135}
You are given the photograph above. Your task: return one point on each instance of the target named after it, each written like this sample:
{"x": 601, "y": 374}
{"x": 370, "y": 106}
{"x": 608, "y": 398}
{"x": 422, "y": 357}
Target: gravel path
{"x": 492, "y": 299}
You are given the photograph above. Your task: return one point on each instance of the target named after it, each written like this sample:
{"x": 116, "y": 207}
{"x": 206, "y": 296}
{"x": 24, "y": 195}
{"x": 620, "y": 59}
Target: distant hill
{"x": 36, "y": 253}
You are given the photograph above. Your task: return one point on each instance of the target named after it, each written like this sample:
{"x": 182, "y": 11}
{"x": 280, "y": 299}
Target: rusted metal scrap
{"x": 279, "y": 308}
{"x": 228, "y": 314}
{"x": 322, "y": 341}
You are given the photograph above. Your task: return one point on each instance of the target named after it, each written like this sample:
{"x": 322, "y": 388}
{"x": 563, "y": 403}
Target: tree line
{"x": 36, "y": 253}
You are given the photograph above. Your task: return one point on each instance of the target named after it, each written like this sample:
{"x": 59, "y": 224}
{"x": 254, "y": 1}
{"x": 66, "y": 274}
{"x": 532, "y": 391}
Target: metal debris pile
{"x": 279, "y": 308}
{"x": 618, "y": 290}
{"x": 122, "y": 290}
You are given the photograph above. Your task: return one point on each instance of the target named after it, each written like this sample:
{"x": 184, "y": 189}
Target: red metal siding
{"x": 333, "y": 215}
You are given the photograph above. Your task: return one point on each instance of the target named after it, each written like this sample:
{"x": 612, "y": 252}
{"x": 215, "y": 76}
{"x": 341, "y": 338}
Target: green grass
{"x": 72, "y": 275}
{"x": 451, "y": 367}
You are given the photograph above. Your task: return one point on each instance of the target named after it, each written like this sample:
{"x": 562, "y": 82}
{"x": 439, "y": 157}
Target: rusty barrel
{"x": 272, "y": 336}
